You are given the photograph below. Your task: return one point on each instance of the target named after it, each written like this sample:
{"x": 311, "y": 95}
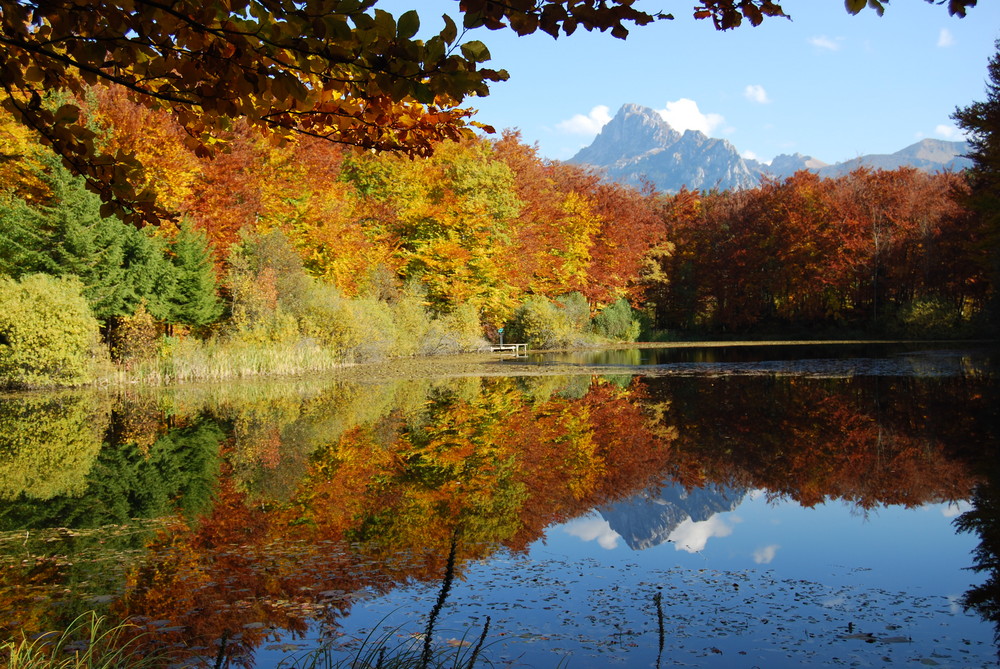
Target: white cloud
{"x": 766, "y": 554}
{"x": 756, "y": 93}
{"x": 948, "y": 132}
{"x": 684, "y": 115}
{"x": 750, "y": 155}
{"x": 692, "y": 536}
{"x": 954, "y": 509}
{"x": 590, "y": 124}
{"x": 945, "y": 38}
{"x": 591, "y": 528}
{"x": 824, "y": 42}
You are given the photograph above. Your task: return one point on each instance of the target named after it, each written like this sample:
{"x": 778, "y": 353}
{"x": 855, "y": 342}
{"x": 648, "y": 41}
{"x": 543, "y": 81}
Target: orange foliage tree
{"x": 870, "y": 249}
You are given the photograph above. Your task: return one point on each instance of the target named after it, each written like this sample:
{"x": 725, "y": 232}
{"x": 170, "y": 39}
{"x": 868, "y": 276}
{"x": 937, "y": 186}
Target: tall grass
{"x": 218, "y": 358}
{"x": 328, "y": 336}
{"x": 89, "y": 642}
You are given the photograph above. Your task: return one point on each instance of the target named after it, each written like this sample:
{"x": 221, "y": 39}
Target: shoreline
{"x": 479, "y": 363}
{"x": 492, "y": 364}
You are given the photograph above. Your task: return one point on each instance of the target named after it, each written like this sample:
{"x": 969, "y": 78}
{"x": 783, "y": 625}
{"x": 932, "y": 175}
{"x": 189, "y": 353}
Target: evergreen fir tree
{"x": 119, "y": 266}
{"x": 20, "y": 241}
{"x": 81, "y": 242}
{"x": 150, "y": 274}
{"x": 194, "y": 301}
{"x": 981, "y": 122}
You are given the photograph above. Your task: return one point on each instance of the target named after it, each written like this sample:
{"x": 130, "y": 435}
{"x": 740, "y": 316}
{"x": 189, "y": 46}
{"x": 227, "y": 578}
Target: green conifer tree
{"x": 195, "y": 300}
{"x": 119, "y": 266}
{"x": 151, "y": 276}
{"x": 981, "y": 121}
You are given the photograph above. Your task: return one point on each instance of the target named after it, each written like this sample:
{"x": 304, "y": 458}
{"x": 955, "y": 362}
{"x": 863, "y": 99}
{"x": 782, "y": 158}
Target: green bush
{"x": 577, "y": 310}
{"x": 457, "y": 331}
{"x": 376, "y": 335}
{"x": 413, "y": 323}
{"x": 48, "y": 335}
{"x": 617, "y": 322}
{"x": 544, "y": 324}
{"x": 927, "y": 317}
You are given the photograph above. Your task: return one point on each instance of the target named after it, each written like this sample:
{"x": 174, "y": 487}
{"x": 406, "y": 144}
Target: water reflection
{"x": 799, "y": 359}
{"x": 275, "y": 510}
{"x": 983, "y": 519}
{"x": 672, "y": 513}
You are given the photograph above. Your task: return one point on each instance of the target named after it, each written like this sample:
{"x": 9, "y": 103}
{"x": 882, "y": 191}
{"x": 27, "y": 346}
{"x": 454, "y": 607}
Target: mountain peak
{"x": 634, "y": 131}
{"x": 935, "y": 150}
{"x": 639, "y": 145}
{"x": 785, "y": 165}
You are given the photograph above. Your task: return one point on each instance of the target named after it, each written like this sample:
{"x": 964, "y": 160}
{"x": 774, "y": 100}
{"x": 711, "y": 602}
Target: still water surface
{"x": 784, "y": 508}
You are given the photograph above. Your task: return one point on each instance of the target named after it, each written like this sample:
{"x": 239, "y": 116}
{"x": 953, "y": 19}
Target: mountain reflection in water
{"x": 286, "y": 515}
{"x": 651, "y": 518}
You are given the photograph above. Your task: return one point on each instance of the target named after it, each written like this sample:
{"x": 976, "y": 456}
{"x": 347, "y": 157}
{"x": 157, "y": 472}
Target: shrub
{"x": 617, "y": 322}
{"x": 463, "y": 328}
{"x": 927, "y": 317}
{"x": 577, "y": 310}
{"x": 133, "y": 339}
{"x": 542, "y": 324}
{"x": 413, "y": 323}
{"x": 48, "y": 335}
{"x": 327, "y": 317}
{"x": 376, "y": 335}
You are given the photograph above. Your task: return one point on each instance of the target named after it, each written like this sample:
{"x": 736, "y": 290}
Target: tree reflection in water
{"x": 984, "y": 520}
{"x": 282, "y": 505}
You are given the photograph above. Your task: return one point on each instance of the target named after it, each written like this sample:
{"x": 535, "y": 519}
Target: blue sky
{"x": 826, "y": 83}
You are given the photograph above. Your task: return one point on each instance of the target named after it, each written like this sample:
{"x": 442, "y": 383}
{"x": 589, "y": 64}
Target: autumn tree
{"x": 342, "y": 70}
{"x": 884, "y": 250}
{"x": 450, "y": 220}
{"x": 575, "y": 233}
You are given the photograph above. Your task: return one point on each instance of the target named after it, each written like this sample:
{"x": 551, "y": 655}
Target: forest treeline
{"x": 304, "y": 256}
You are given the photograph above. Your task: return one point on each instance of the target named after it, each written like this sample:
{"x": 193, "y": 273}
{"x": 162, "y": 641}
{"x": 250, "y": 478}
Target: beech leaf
{"x": 408, "y": 25}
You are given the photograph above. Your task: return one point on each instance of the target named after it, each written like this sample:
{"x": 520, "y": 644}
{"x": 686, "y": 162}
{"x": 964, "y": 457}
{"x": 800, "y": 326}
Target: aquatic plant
{"x": 89, "y": 642}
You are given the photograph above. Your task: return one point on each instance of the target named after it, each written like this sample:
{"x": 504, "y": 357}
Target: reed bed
{"x": 89, "y": 642}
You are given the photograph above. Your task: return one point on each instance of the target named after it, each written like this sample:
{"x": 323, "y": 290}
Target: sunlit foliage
{"x": 870, "y": 250}
{"x": 37, "y": 349}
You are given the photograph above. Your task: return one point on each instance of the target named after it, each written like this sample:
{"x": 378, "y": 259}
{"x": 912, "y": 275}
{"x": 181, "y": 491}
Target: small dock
{"x": 516, "y": 350}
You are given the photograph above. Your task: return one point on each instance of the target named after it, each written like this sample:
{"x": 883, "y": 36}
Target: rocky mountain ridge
{"x": 638, "y": 147}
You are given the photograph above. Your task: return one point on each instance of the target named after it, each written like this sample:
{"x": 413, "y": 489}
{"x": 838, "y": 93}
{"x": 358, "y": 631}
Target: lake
{"x": 727, "y": 506}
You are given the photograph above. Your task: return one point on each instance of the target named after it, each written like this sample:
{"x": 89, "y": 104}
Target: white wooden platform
{"x": 519, "y": 350}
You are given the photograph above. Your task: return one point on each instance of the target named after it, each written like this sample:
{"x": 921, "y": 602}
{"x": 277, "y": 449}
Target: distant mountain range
{"x": 637, "y": 146}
